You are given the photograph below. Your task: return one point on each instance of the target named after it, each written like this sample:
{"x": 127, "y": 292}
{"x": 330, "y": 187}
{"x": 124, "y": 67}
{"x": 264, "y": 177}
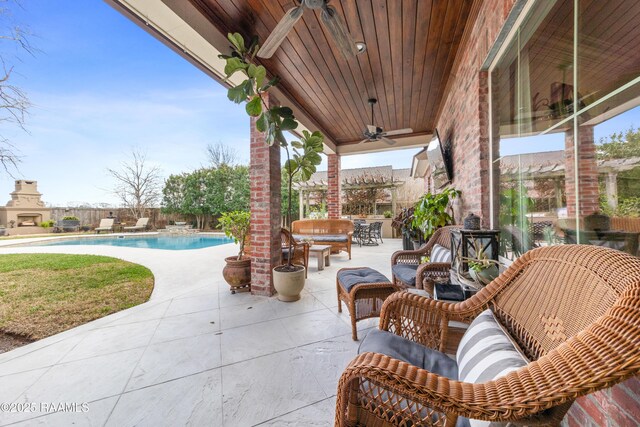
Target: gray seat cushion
{"x": 342, "y": 238}
{"x": 349, "y": 278}
{"x": 400, "y": 348}
{"x": 406, "y": 273}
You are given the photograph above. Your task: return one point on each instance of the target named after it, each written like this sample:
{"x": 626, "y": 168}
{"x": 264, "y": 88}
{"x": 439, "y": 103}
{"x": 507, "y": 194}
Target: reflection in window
{"x": 566, "y": 154}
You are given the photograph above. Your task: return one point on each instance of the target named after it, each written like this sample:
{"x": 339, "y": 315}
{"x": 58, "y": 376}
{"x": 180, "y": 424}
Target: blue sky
{"x": 102, "y": 86}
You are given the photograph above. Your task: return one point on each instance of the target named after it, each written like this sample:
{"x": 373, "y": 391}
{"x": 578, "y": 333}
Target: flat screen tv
{"x": 440, "y": 172}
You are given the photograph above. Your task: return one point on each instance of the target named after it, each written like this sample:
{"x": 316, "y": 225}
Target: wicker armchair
{"x": 574, "y": 310}
{"x": 427, "y": 271}
{"x": 300, "y": 250}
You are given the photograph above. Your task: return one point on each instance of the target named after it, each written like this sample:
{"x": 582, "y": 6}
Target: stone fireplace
{"x": 25, "y": 209}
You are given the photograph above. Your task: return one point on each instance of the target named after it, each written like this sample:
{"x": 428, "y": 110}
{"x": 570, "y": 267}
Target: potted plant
{"x": 431, "y": 211}
{"x": 482, "y": 269}
{"x": 273, "y": 120}
{"x": 237, "y": 271}
{"x": 403, "y": 223}
{"x": 387, "y": 214}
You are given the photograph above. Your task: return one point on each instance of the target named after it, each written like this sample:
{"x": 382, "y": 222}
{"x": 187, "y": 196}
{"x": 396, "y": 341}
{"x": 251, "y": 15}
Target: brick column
{"x": 264, "y": 174}
{"x": 588, "y": 189}
{"x": 334, "y": 187}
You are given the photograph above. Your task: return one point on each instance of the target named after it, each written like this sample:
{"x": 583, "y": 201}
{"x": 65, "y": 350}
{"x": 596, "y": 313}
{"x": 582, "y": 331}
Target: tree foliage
{"x": 620, "y": 145}
{"x": 207, "y": 192}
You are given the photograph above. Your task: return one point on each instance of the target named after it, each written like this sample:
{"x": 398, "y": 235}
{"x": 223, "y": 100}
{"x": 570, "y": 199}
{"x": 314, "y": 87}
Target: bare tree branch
{"x": 137, "y": 184}
{"x": 14, "y": 103}
{"x": 220, "y": 154}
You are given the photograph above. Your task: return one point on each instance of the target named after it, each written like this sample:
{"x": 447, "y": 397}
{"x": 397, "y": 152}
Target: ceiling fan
{"x": 330, "y": 18}
{"x": 375, "y": 133}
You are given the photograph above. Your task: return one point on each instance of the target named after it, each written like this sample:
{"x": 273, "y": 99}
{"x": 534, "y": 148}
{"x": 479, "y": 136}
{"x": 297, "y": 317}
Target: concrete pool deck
{"x": 194, "y": 354}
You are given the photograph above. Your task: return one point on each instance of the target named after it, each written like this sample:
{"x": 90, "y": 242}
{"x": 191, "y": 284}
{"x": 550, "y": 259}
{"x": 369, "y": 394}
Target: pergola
{"x": 411, "y": 49}
{"x": 384, "y": 177}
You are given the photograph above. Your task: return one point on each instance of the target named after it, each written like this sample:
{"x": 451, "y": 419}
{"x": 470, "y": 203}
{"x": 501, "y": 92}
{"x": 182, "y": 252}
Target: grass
{"x": 43, "y": 294}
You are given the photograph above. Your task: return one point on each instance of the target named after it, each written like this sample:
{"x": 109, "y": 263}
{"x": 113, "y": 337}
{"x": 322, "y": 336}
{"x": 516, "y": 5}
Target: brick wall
{"x": 465, "y": 110}
{"x": 464, "y": 118}
{"x": 587, "y": 172}
{"x": 334, "y": 186}
{"x": 264, "y": 173}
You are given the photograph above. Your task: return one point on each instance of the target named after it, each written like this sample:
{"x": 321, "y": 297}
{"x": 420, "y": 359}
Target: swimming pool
{"x": 171, "y": 242}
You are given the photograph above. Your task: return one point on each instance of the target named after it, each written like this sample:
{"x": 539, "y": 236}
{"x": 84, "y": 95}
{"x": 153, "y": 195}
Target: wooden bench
{"x": 337, "y": 233}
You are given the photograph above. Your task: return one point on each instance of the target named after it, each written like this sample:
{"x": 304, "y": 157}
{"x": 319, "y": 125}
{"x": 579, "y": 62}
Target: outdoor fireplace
{"x": 25, "y": 209}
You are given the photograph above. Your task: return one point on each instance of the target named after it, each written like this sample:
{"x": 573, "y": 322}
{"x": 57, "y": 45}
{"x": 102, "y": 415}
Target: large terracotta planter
{"x": 237, "y": 273}
{"x": 288, "y": 284}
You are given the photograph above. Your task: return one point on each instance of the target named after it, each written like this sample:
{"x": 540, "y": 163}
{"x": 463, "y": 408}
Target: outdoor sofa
{"x": 338, "y": 233}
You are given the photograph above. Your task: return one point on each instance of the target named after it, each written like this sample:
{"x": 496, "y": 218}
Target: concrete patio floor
{"x": 194, "y": 354}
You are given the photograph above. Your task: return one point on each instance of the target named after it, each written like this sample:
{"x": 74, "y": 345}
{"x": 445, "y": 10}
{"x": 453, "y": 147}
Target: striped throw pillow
{"x": 486, "y": 353}
{"x": 440, "y": 254}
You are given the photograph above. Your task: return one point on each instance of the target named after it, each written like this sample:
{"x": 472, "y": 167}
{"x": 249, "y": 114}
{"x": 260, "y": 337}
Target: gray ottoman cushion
{"x": 406, "y": 273}
{"x": 349, "y": 278}
{"x": 330, "y": 238}
{"x": 395, "y": 346}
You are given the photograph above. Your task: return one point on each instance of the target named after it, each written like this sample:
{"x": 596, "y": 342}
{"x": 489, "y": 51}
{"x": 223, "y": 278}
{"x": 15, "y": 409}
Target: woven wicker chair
{"x": 574, "y": 310}
{"x": 300, "y": 250}
{"x": 427, "y": 271}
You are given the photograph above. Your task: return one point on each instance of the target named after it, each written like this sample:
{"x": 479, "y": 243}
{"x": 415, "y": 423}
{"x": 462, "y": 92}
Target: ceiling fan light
{"x": 361, "y": 47}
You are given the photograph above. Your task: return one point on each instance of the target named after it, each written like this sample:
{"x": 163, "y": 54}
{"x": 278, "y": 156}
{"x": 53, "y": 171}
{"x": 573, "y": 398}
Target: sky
{"x": 100, "y": 87}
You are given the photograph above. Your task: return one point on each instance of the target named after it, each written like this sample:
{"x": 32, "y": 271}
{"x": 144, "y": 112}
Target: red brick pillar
{"x": 334, "y": 186}
{"x": 588, "y": 190}
{"x": 264, "y": 173}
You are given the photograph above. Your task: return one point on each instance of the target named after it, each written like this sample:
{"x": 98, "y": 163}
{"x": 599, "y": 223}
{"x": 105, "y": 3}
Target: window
{"x": 565, "y": 119}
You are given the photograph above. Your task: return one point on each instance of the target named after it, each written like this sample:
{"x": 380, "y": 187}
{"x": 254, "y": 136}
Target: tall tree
{"x": 137, "y": 184}
{"x": 14, "y": 103}
{"x": 221, "y": 155}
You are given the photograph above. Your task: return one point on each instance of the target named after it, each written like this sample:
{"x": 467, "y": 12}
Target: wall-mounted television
{"x": 437, "y": 155}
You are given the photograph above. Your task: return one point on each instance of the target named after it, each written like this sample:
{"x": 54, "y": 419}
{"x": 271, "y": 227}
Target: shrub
{"x": 71, "y": 218}
{"x": 47, "y": 224}
{"x": 387, "y": 214}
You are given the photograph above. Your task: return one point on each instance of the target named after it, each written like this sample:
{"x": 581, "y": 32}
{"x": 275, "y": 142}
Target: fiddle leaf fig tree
{"x": 304, "y": 155}
{"x": 430, "y": 212}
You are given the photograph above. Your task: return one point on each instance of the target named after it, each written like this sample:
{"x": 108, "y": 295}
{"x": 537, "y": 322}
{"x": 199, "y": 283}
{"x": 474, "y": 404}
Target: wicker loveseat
{"x": 573, "y": 310}
{"x": 335, "y": 232}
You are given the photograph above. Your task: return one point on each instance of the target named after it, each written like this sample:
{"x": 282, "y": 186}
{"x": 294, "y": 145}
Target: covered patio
{"x": 458, "y": 66}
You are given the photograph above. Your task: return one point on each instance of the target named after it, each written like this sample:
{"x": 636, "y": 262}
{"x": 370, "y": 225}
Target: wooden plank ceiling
{"x": 411, "y": 46}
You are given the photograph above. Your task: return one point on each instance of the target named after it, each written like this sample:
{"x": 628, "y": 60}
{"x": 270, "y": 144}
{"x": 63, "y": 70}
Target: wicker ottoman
{"x": 364, "y": 290}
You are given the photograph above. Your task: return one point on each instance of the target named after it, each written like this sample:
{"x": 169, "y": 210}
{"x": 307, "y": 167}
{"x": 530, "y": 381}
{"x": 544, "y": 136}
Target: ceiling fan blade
{"x": 371, "y": 128}
{"x": 338, "y": 30}
{"x": 364, "y": 140}
{"x": 398, "y": 132}
{"x": 280, "y": 32}
{"x": 388, "y": 141}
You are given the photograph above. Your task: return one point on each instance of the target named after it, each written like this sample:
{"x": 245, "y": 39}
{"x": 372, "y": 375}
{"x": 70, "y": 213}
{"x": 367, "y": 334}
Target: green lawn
{"x": 43, "y": 294}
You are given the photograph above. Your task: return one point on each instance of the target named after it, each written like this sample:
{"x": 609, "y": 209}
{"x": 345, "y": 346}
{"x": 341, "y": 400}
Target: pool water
{"x": 174, "y": 243}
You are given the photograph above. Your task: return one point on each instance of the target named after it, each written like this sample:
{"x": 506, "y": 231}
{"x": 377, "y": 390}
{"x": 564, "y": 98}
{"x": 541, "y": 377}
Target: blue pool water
{"x": 174, "y": 243}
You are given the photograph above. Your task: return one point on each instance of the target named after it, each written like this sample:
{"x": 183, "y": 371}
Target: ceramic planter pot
{"x": 237, "y": 273}
{"x": 288, "y": 284}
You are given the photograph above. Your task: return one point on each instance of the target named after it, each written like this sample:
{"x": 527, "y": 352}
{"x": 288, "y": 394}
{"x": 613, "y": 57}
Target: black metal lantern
{"x": 465, "y": 244}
